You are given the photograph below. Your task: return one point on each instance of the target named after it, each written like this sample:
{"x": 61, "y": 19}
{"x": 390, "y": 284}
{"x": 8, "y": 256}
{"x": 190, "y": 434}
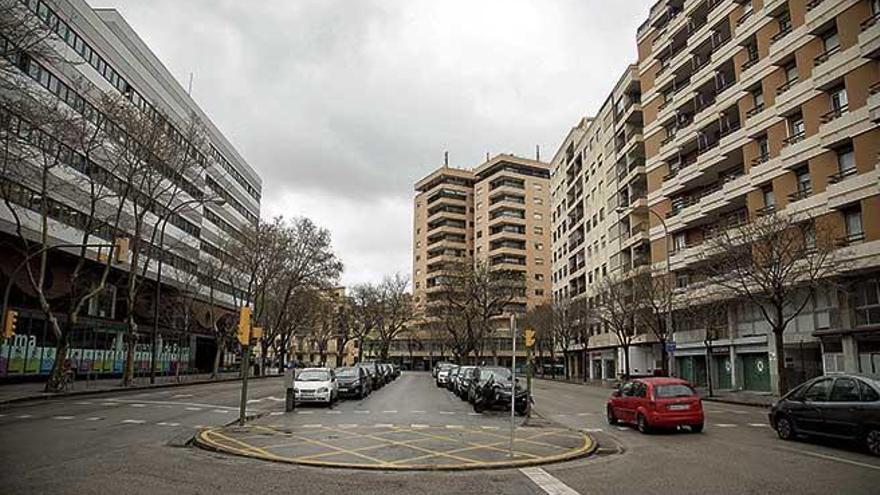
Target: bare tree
{"x": 559, "y": 325}
{"x": 365, "y": 313}
{"x": 396, "y": 310}
{"x": 615, "y": 306}
{"x": 658, "y": 297}
{"x": 776, "y": 262}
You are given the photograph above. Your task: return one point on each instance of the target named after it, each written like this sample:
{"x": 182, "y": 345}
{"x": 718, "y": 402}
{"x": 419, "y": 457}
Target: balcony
{"x": 758, "y": 160}
{"x": 825, "y": 56}
{"x": 781, "y": 34}
{"x": 800, "y": 194}
{"x": 782, "y": 88}
{"x": 755, "y": 110}
{"x": 820, "y": 12}
{"x": 834, "y": 114}
{"x": 850, "y": 239}
{"x": 842, "y": 175}
{"x": 765, "y": 210}
{"x": 869, "y": 37}
{"x": 794, "y": 139}
{"x": 748, "y": 64}
{"x": 874, "y": 102}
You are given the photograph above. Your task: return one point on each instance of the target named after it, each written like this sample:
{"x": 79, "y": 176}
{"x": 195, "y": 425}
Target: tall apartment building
{"x": 753, "y": 106}
{"x": 598, "y": 190}
{"x": 498, "y": 213}
{"x": 95, "y": 53}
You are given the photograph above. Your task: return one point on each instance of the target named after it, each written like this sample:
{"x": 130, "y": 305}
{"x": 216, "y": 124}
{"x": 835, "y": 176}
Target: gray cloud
{"x": 341, "y": 105}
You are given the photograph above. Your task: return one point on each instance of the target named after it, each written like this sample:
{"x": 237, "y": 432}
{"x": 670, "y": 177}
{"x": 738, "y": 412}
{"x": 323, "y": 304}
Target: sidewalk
{"x": 739, "y": 397}
{"x": 19, "y": 392}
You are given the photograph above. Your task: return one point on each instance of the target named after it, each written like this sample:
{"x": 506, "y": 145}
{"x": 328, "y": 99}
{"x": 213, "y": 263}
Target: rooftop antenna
{"x": 446, "y": 159}
{"x": 537, "y": 152}
{"x": 189, "y": 88}
{"x": 487, "y": 156}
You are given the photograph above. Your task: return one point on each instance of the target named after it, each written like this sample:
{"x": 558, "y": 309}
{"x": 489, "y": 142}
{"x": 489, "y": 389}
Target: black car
{"x": 842, "y": 406}
{"x": 463, "y": 381}
{"x": 376, "y": 378}
{"x": 453, "y": 376}
{"x": 353, "y": 382}
{"x": 493, "y": 390}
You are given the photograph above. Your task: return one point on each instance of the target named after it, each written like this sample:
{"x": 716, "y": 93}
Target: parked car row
{"x": 327, "y": 385}
{"x": 485, "y": 387}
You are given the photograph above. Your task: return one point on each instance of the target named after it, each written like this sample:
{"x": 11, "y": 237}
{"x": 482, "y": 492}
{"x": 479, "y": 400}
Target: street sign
{"x": 670, "y": 346}
{"x": 244, "y": 325}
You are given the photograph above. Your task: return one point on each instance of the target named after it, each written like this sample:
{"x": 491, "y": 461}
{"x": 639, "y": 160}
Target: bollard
{"x": 289, "y": 403}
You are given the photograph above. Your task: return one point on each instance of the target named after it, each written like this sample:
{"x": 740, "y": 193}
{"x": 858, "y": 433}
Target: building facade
{"x": 89, "y": 54}
{"x": 757, "y": 106}
{"x": 497, "y": 213}
{"x": 600, "y": 225}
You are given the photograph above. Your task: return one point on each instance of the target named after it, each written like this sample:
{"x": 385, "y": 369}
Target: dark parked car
{"x": 463, "y": 381}
{"x": 843, "y": 406}
{"x": 375, "y": 374}
{"x": 354, "y": 382}
{"x": 493, "y": 389}
{"x": 396, "y": 370}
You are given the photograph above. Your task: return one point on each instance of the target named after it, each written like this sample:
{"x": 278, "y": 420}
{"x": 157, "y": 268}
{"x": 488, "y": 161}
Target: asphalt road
{"x": 136, "y": 443}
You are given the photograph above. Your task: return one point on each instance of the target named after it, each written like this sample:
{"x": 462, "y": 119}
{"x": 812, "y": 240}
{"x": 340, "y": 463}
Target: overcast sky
{"x": 341, "y": 105}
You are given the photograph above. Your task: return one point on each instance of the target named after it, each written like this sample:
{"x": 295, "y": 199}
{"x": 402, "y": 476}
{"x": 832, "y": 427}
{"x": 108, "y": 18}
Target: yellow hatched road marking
{"x": 339, "y": 450}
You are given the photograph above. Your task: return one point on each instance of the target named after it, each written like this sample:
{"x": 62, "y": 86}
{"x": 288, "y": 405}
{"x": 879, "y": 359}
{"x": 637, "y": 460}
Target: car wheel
{"x": 697, "y": 428}
{"x": 478, "y": 408}
{"x": 612, "y": 419}
{"x": 872, "y": 441}
{"x": 784, "y": 428}
{"x": 642, "y": 424}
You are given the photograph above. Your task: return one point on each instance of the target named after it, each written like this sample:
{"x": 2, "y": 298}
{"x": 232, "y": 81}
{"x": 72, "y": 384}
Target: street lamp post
{"x": 155, "y": 334}
{"x": 669, "y": 327}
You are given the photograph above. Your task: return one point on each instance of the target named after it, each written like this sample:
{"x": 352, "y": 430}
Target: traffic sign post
{"x": 530, "y": 343}
{"x": 244, "y": 338}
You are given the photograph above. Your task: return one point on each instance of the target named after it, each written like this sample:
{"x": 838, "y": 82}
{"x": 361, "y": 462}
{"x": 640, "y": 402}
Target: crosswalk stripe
{"x": 725, "y": 425}
{"x": 547, "y": 482}
{"x": 383, "y": 425}
{"x": 94, "y": 418}
{"x": 758, "y": 425}
{"x": 419, "y": 426}
{"x": 62, "y": 417}
{"x": 133, "y": 421}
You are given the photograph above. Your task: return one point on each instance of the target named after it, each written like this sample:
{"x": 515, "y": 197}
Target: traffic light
{"x": 244, "y": 325}
{"x": 530, "y": 337}
{"x": 9, "y": 321}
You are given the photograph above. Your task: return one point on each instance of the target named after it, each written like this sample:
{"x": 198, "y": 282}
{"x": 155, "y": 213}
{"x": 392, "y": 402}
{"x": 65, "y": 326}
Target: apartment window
{"x": 682, "y": 280}
{"x": 539, "y": 277}
{"x": 769, "y": 198}
{"x": 804, "y": 185}
{"x": 539, "y": 261}
{"x": 679, "y": 241}
{"x": 784, "y": 22}
{"x": 758, "y": 99}
{"x": 479, "y": 204}
{"x": 479, "y": 234}
{"x": 852, "y": 218}
{"x": 839, "y": 100}
{"x": 763, "y": 147}
{"x": 830, "y": 41}
{"x": 418, "y": 244}
{"x": 752, "y": 49}
{"x": 846, "y": 162}
{"x": 539, "y": 201}
{"x": 796, "y": 129}
{"x": 418, "y": 285}
{"x": 875, "y": 6}
{"x": 479, "y": 249}
{"x": 866, "y": 304}
{"x": 791, "y": 72}
{"x": 539, "y": 246}
{"x": 539, "y": 230}
{"x": 539, "y": 292}
{"x": 809, "y": 231}
{"x": 538, "y": 216}
{"x": 418, "y": 230}
{"x": 538, "y": 187}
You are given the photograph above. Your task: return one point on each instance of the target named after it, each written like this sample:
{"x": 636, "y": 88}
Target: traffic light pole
{"x": 528, "y": 382}
{"x": 245, "y": 371}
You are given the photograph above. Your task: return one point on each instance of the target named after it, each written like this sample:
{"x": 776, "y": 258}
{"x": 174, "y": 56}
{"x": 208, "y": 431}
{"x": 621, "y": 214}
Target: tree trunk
{"x": 709, "y": 367}
{"x": 780, "y": 361}
{"x": 664, "y": 357}
{"x": 128, "y": 370}
{"x": 215, "y": 370}
{"x": 58, "y": 366}
{"x": 626, "y": 361}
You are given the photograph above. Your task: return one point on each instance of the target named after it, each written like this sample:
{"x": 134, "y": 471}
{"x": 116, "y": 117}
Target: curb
{"x": 590, "y": 446}
{"x": 80, "y": 393}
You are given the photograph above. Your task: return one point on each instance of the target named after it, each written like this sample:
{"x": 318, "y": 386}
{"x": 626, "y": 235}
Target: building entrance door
{"x": 756, "y": 372}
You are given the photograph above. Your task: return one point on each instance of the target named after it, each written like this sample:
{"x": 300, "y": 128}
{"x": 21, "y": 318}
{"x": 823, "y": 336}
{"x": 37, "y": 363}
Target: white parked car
{"x": 316, "y": 385}
{"x": 443, "y": 374}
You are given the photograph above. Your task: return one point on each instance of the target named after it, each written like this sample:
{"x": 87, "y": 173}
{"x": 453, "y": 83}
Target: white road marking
{"x": 417, "y": 426}
{"x": 62, "y": 417}
{"x": 447, "y": 412}
{"x": 2, "y": 415}
{"x": 198, "y": 427}
{"x": 254, "y": 401}
{"x": 474, "y": 414}
{"x": 348, "y": 425}
{"x": 389, "y": 412}
{"x": 94, "y": 418}
{"x": 592, "y": 430}
{"x": 193, "y": 408}
{"x": 312, "y": 426}
{"x": 117, "y": 402}
{"x": 333, "y": 412}
{"x": 418, "y": 412}
{"x": 724, "y": 425}
{"x": 83, "y": 403}
{"x": 383, "y": 425}
{"x": 276, "y": 413}
{"x": 276, "y": 399}
{"x": 833, "y": 458}
{"x": 454, "y": 427}
{"x": 489, "y": 427}
{"x": 133, "y": 421}
{"x": 758, "y": 425}
{"x": 220, "y": 411}
{"x": 162, "y": 423}
{"x": 24, "y": 416}
{"x": 181, "y": 396}
{"x": 546, "y": 482}
{"x": 138, "y": 405}
{"x": 622, "y": 428}
{"x": 305, "y": 412}
{"x": 362, "y": 412}
{"x": 585, "y": 414}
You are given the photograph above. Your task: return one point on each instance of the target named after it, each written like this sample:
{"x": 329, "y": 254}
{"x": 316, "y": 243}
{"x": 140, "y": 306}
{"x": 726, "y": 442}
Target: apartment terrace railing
{"x": 800, "y": 194}
{"x": 794, "y": 138}
{"x": 755, "y": 110}
{"x": 824, "y": 56}
{"x": 850, "y": 239}
{"x": 842, "y": 175}
{"x": 749, "y": 63}
{"x": 743, "y": 18}
{"x": 765, "y": 210}
{"x": 869, "y": 22}
{"x": 812, "y": 4}
{"x": 782, "y": 88}
{"x": 781, "y": 34}
{"x": 834, "y": 114}
{"x": 758, "y": 160}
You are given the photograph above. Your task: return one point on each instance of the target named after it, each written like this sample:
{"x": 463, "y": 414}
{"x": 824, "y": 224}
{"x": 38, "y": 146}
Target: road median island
{"x": 399, "y": 447}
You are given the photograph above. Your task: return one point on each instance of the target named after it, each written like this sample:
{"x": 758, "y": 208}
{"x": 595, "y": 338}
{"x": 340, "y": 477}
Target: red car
{"x": 656, "y": 403}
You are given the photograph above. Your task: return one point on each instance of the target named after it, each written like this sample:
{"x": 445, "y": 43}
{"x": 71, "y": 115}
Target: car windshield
{"x": 673, "y": 390}
{"x": 313, "y": 376}
{"x": 445, "y": 367}
{"x": 498, "y": 374}
{"x": 346, "y": 372}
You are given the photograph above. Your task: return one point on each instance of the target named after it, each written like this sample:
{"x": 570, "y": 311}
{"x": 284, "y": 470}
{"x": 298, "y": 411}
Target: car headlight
{"x": 323, "y": 390}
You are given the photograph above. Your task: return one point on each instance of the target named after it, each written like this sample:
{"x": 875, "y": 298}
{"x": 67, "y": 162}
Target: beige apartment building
{"x": 758, "y": 106}
{"x": 600, "y": 225}
{"x": 497, "y": 212}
